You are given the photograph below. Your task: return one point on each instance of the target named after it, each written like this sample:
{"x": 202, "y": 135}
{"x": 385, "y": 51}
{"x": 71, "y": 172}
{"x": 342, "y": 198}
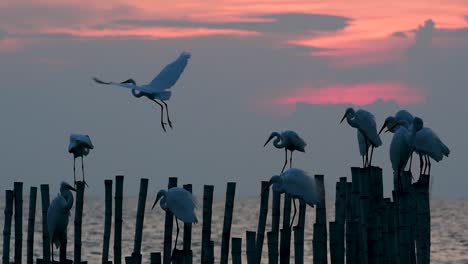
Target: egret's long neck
{"x": 86, "y": 151}
{"x": 351, "y": 120}
{"x": 68, "y": 196}
{"x": 279, "y": 140}
{"x": 163, "y": 203}
{"x": 136, "y": 94}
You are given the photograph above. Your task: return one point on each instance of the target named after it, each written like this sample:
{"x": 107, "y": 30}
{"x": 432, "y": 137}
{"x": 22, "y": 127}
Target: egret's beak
{"x": 343, "y": 117}
{"x": 71, "y": 188}
{"x": 268, "y": 141}
{"x": 391, "y": 128}
{"x": 267, "y": 187}
{"x": 383, "y": 127}
{"x": 155, "y": 202}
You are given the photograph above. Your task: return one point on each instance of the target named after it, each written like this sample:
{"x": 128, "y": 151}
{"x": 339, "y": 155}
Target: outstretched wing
{"x": 170, "y": 74}
{"x": 129, "y": 84}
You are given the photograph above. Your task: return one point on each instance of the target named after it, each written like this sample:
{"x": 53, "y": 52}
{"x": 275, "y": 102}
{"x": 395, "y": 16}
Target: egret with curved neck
{"x": 289, "y": 140}
{"x": 79, "y": 146}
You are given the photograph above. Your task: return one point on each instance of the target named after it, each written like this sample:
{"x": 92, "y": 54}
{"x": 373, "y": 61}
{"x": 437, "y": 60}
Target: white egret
{"x": 158, "y": 88}
{"x": 179, "y": 202}
{"x": 391, "y": 122}
{"x": 57, "y": 215}
{"x": 364, "y": 121}
{"x": 79, "y": 146}
{"x": 298, "y": 184}
{"x": 289, "y": 140}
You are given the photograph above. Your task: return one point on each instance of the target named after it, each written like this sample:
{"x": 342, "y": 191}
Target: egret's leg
{"x": 82, "y": 169}
{"x": 177, "y": 234}
{"x": 371, "y": 154}
{"x": 167, "y": 113}
{"x": 425, "y": 164}
{"x": 363, "y": 162}
{"x": 285, "y": 160}
{"x": 162, "y": 114}
{"x": 411, "y": 160}
{"x": 52, "y": 252}
{"x": 420, "y": 165}
{"x": 428, "y": 165}
{"x": 294, "y": 214}
{"x": 74, "y": 170}
{"x": 290, "y": 160}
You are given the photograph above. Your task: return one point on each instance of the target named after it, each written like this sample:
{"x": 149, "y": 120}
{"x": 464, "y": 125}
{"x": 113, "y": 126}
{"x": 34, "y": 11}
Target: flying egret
{"x": 158, "y": 88}
{"x": 289, "y": 140}
{"x": 298, "y": 184}
{"x": 79, "y": 146}
{"x": 57, "y": 215}
{"x": 179, "y": 202}
{"x": 364, "y": 121}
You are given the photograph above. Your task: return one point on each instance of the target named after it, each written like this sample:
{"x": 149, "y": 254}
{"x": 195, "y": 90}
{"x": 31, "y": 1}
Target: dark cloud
{"x": 399, "y": 34}
{"x": 281, "y": 23}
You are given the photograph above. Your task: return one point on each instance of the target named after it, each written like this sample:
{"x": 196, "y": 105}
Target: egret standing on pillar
{"x": 79, "y": 146}
{"x": 158, "y": 88}
{"x": 364, "y": 122}
{"x": 289, "y": 140}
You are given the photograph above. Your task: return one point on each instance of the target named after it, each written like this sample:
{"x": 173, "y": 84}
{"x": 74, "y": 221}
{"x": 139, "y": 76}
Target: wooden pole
{"x": 298, "y": 244}
{"x": 140, "y": 217}
{"x": 63, "y": 249}
{"x": 272, "y": 247}
{"x": 236, "y": 250}
{"x": 333, "y": 242}
{"x": 228, "y": 209}
{"x": 285, "y": 233}
{"x": 372, "y": 186}
{"x": 168, "y": 224}
{"x": 80, "y": 186}
{"x": 403, "y": 218}
{"x": 423, "y": 219}
{"x": 340, "y": 218}
{"x": 7, "y": 226}
{"x": 188, "y": 256}
{"x": 275, "y": 223}
{"x": 31, "y": 222}
{"x": 251, "y": 254}
{"x": 18, "y": 193}
{"x": 262, "y": 217}
{"x": 210, "y": 252}
{"x": 319, "y": 241}
{"x": 206, "y": 226}
{"x": 155, "y": 258}
{"x": 118, "y": 219}
{"x": 45, "y": 234}
{"x": 107, "y": 220}
{"x": 351, "y": 224}
{"x": 363, "y": 186}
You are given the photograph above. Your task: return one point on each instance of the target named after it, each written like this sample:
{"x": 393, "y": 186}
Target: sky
{"x": 256, "y": 67}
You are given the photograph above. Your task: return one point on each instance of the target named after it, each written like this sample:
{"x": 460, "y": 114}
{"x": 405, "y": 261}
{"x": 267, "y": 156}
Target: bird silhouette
{"x": 158, "y": 89}
{"x": 79, "y": 146}
{"x": 289, "y": 140}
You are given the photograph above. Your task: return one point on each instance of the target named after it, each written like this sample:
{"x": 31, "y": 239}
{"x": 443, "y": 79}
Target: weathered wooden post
{"x": 275, "y": 223}
{"x": 423, "y": 219}
{"x": 285, "y": 232}
{"x": 80, "y": 186}
{"x": 351, "y": 224}
{"x": 319, "y": 241}
{"x": 340, "y": 218}
{"x": 250, "y": 247}
{"x": 272, "y": 247}
{"x": 155, "y": 258}
{"x": 188, "y": 256}
{"x": 206, "y": 226}
{"x": 140, "y": 217}
{"x": 299, "y": 233}
{"x": 118, "y": 219}
{"x": 236, "y": 250}
{"x": 210, "y": 252}
{"x": 18, "y": 194}
{"x": 228, "y": 209}
{"x": 262, "y": 217}
{"x": 7, "y": 226}
{"x": 45, "y": 234}
{"x": 31, "y": 222}
{"x": 333, "y": 242}
{"x": 372, "y": 185}
{"x": 168, "y": 224}
{"x": 107, "y": 221}
{"x": 403, "y": 218}
{"x": 361, "y": 178}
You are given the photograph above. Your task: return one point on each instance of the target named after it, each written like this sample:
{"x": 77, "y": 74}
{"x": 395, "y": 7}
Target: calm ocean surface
{"x": 449, "y": 229}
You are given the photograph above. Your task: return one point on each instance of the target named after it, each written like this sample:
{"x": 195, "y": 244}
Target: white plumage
{"x": 158, "y": 88}
{"x": 57, "y": 215}
{"x": 289, "y": 140}
{"x": 364, "y": 122}
{"x": 79, "y": 146}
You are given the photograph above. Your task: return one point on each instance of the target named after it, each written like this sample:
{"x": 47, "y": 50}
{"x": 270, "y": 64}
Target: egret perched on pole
{"x": 57, "y": 216}
{"x": 158, "y": 89}
{"x": 402, "y": 117}
{"x": 79, "y": 146}
{"x": 180, "y": 203}
{"x": 364, "y": 121}
{"x": 298, "y": 184}
{"x": 289, "y": 140}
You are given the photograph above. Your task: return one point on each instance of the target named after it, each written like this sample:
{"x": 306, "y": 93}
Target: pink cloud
{"x": 360, "y": 94}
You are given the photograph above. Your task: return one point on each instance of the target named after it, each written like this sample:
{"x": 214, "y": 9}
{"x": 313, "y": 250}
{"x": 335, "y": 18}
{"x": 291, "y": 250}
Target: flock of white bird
{"x": 409, "y": 135}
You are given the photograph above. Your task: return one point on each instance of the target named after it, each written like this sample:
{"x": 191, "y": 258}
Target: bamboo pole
{"x": 272, "y": 247}
{"x": 351, "y": 224}
{"x": 285, "y": 233}
{"x": 340, "y": 217}
{"x": 188, "y": 256}
{"x": 168, "y": 225}
{"x": 423, "y": 220}
{"x": 63, "y": 249}
{"x": 363, "y": 186}
{"x": 107, "y": 221}
{"x": 118, "y": 219}
{"x": 251, "y": 254}
{"x": 210, "y": 252}
{"x": 403, "y": 218}
{"x": 7, "y": 226}
{"x": 275, "y": 222}
{"x": 262, "y": 217}
{"x": 155, "y": 258}
{"x": 18, "y": 200}
{"x": 80, "y": 186}
{"x": 140, "y": 217}
{"x": 319, "y": 241}
{"x": 298, "y": 244}
{"x": 206, "y": 227}
{"x": 333, "y": 242}
{"x": 45, "y": 234}
{"x": 228, "y": 209}
{"x": 236, "y": 250}
{"x": 31, "y": 222}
